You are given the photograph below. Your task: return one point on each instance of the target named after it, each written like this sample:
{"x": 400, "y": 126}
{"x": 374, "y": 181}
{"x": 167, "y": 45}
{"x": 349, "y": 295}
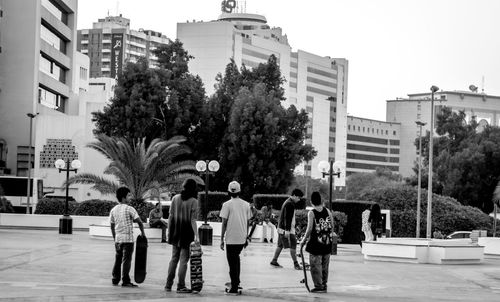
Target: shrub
{"x": 54, "y": 206}
{"x": 95, "y": 207}
{"x": 6, "y": 206}
{"x": 448, "y": 215}
{"x": 143, "y": 208}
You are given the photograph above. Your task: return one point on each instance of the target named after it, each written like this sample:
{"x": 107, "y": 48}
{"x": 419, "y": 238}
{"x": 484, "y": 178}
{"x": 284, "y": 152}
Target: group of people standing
{"x": 236, "y": 215}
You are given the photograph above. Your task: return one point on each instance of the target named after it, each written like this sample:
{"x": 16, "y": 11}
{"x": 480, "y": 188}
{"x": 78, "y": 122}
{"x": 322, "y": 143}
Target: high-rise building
{"x": 417, "y": 107}
{"x": 110, "y": 43}
{"x": 40, "y": 72}
{"x": 372, "y": 144}
{"x": 315, "y": 83}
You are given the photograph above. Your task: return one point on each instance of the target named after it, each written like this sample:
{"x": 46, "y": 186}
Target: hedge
{"x": 54, "y": 206}
{"x": 215, "y": 201}
{"x": 448, "y": 215}
{"x": 143, "y": 208}
{"x": 353, "y": 209}
{"x": 95, "y": 207}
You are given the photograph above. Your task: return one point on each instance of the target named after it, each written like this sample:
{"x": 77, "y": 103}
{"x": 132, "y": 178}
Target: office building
{"x": 406, "y": 111}
{"x": 111, "y": 43}
{"x": 317, "y": 84}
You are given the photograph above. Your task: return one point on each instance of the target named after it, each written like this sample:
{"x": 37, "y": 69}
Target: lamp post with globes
{"x": 434, "y": 89}
{"x": 66, "y": 222}
{"x": 419, "y": 188}
{"x": 205, "y": 231}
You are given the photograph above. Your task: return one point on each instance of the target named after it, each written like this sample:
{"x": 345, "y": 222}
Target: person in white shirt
{"x": 235, "y": 214}
{"x": 121, "y": 221}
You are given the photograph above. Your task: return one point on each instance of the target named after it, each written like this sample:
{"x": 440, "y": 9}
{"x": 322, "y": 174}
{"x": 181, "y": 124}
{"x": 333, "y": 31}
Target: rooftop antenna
{"x": 117, "y": 8}
{"x": 482, "y": 85}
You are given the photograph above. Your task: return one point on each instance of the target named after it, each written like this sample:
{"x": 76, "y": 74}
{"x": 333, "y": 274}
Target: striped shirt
{"x": 123, "y": 216}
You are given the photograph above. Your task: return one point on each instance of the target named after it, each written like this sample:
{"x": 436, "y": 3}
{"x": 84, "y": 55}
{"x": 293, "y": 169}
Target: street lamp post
{"x": 28, "y": 193}
{"x": 66, "y": 222}
{"x": 205, "y": 231}
{"x": 434, "y": 89}
{"x": 419, "y": 189}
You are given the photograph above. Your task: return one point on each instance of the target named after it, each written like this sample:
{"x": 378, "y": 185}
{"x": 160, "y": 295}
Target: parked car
{"x": 459, "y": 235}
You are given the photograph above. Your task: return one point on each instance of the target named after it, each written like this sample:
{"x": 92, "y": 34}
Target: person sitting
{"x": 156, "y": 221}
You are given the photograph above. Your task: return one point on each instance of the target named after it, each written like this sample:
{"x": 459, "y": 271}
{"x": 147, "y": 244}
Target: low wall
{"x": 413, "y": 250}
{"x": 491, "y": 245}
{"x": 47, "y": 221}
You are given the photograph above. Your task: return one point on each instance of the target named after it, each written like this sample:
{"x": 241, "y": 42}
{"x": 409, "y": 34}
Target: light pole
{"x": 330, "y": 169}
{"x": 66, "y": 222}
{"x": 434, "y": 89}
{"x": 419, "y": 189}
{"x": 28, "y": 193}
{"x": 205, "y": 230}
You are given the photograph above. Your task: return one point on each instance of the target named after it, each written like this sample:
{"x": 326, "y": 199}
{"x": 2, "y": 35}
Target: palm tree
{"x": 142, "y": 169}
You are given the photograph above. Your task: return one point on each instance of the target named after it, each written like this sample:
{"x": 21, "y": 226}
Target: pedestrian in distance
{"x": 182, "y": 231}
{"x": 156, "y": 221}
{"x": 375, "y": 220}
{"x": 235, "y": 214}
{"x": 121, "y": 221}
{"x": 267, "y": 226}
{"x": 253, "y": 221}
{"x": 286, "y": 230}
{"x": 319, "y": 238}
{"x": 365, "y": 225}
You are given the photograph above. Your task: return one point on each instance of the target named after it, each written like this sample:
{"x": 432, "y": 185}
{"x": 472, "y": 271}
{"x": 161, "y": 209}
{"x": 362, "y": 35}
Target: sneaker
{"x": 168, "y": 289}
{"x": 115, "y": 283}
{"x": 184, "y": 290}
{"x": 129, "y": 284}
{"x": 271, "y": 240}
{"x": 275, "y": 264}
{"x": 233, "y": 292}
{"x": 265, "y": 240}
{"x": 297, "y": 266}
{"x": 318, "y": 290}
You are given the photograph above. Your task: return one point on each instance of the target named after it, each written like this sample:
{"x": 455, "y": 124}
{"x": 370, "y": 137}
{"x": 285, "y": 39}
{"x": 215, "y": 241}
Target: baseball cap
{"x": 234, "y": 187}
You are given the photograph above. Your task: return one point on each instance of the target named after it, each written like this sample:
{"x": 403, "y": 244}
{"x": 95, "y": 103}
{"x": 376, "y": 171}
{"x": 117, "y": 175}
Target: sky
{"x": 394, "y": 47}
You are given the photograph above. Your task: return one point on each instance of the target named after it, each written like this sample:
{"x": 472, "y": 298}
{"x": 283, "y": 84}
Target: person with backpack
{"x": 319, "y": 238}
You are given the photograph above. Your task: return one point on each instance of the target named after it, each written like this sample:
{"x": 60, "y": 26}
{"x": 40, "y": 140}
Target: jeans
{"x": 181, "y": 254}
{"x": 233, "y": 259}
{"x": 160, "y": 224}
{"x": 268, "y": 230}
{"x": 319, "y": 269}
{"x": 123, "y": 260}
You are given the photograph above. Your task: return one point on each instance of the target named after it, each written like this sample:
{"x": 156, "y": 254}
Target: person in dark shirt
{"x": 286, "y": 229}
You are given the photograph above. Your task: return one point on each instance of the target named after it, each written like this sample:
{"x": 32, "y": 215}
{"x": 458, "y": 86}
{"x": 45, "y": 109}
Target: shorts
{"x": 284, "y": 243}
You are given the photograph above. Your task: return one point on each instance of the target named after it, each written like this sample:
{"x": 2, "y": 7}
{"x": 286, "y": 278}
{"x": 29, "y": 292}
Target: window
{"x": 48, "y": 36}
{"x": 50, "y": 68}
{"x": 51, "y": 99}
{"x": 348, "y": 127}
{"x": 83, "y": 73}
{"x": 55, "y": 10}
{"x": 393, "y": 132}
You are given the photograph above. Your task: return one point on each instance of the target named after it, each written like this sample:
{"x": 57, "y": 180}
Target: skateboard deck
{"x": 196, "y": 267}
{"x": 141, "y": 253}
{"x": 304, "y": 268}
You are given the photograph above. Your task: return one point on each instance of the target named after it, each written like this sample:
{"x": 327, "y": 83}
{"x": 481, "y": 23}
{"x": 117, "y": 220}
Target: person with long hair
{"x": 375, "y": 220}
{"x": 182, "y": 230}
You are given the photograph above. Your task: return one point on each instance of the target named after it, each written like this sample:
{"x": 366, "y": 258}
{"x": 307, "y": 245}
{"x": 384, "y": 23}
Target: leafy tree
{"x": 154, "y": 102}
{"x": 313, "y": 184}
{"x": 359, "y": 183}
{"x": 138, "y": 167}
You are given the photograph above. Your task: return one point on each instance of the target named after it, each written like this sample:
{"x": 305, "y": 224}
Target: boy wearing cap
{"x": 235, "y": 214}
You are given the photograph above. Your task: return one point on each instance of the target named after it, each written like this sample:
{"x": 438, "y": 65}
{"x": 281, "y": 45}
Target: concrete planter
{"x": 491, "y": 245}
{"x": 47, "y": 221}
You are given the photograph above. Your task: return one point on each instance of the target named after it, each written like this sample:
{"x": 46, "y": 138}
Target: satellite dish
{"x": 473, "y": 88}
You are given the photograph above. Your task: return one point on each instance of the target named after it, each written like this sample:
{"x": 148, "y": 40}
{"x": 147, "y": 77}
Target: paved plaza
{"x": 41, "y": 265}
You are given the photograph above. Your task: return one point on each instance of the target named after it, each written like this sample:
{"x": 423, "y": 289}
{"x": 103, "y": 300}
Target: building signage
{"x": 227, "y": 6}
{"x": 116, "y": 55}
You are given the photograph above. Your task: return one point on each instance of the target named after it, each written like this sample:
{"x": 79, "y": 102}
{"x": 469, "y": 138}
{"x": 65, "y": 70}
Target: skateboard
{"x": 228, "y": 288}
{"x": 304, "y": 268}
{"x": 141, "y": 255}
{"x": 196, "y": 268}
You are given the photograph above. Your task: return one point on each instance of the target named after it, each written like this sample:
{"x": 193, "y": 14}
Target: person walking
{"x": 268, "y": 227}
{"x": 365, "y": 225}
{"x": 235, "y": 214}
{"x": 286, "y": 229}
{"x": 156, "y": 221}
{"x": 121, "y": 221}
{"x": 319, "y": 238}
{"x": 182, "y": 230}
{"x": 254, "y": 220}
{"x": 375, "y": 220}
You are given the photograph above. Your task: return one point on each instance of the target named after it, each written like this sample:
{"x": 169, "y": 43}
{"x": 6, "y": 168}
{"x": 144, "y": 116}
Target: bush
{"x": 143, "y": 208}
{"x": 95, "y": 207}
{"x": 448, "y": 215}
{"x": 54, "y": 206}
{"x": 6, "y": 205}
{"x": 215, "y": 201}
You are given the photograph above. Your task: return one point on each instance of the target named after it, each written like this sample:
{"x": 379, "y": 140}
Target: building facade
{"x": 111, "y": 43}
{"x": 417, "y": 107}
{"x": 372, "y": 144}
{"x": 315, "y": 83}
